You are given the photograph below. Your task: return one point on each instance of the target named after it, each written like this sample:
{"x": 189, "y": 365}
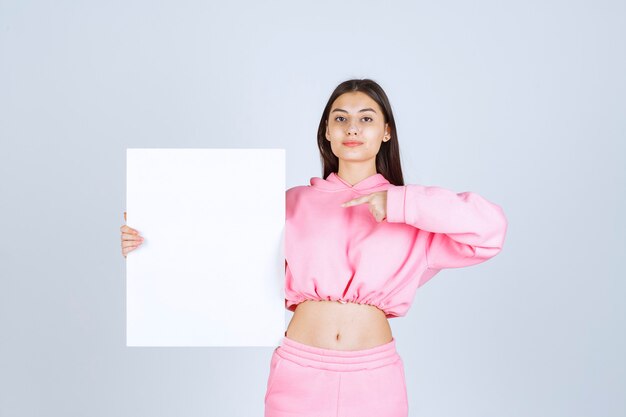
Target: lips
{"x": 352, "y": 143}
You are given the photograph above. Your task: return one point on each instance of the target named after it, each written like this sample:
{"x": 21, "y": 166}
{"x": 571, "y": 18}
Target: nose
{"x": 352, "y": 129}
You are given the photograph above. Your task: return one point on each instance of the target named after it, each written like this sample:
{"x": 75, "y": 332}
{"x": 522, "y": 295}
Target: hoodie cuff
{"x": 396, "y": 195}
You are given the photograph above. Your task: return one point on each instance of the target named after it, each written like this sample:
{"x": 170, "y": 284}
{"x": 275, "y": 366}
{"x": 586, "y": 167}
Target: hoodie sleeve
{"x": 466, "y": 229}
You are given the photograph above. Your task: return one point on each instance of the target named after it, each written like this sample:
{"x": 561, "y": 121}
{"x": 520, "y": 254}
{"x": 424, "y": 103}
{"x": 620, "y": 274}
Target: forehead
{"x": 355, "y": 101}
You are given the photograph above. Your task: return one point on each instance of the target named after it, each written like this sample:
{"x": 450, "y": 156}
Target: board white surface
{"x": 211, "y": 269}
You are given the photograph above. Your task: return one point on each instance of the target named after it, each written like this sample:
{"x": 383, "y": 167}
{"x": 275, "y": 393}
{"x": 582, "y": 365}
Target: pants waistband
{"x": 338, "y": 360}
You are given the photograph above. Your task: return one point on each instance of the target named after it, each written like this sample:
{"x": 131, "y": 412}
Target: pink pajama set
{"x": 343, "y": 254}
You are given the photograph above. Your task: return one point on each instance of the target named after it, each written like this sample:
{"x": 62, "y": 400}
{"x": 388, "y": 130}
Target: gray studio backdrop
{"x": 523, "y": 102}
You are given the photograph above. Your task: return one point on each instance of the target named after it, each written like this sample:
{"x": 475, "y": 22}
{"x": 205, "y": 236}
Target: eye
{"x": 367, "y": 117}
{"x": 339, "y": 117}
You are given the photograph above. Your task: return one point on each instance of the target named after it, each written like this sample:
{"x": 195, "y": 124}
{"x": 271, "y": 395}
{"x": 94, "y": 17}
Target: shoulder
{"x": 297, "y": 190}
{"x": 297, "y": 196}
{"x": 295, "y": 193}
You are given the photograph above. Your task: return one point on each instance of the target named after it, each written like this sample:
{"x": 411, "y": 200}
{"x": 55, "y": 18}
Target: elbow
{"x": 498, "y": 235}
{"x": 494, "y": 241}
{"x": 502, "y": 225}
{"x": 483, "y": 253}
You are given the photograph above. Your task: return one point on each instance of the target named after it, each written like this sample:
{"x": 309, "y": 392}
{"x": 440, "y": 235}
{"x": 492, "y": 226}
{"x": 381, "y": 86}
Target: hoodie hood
{"x": 335, "y": 183}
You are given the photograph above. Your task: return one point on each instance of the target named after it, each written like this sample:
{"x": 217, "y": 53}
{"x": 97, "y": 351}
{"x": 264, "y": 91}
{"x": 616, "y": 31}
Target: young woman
{"x": 358, "y": 244}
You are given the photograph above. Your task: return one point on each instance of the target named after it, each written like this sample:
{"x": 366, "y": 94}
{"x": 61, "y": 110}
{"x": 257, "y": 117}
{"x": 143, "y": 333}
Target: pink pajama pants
{"x": 308, "y": 381}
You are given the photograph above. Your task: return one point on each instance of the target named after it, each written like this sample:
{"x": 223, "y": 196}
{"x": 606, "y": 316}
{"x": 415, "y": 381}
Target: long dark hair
{"x": 388, "y": 157}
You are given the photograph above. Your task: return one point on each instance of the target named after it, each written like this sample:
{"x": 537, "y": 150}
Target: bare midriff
{"x": 340, "y": 326}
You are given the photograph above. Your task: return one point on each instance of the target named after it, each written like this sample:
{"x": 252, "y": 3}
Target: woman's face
{"x": 356, "y": 117}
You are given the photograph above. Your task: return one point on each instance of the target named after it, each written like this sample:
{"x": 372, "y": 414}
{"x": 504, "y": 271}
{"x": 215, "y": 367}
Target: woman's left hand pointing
{"x": 377, "y": 204}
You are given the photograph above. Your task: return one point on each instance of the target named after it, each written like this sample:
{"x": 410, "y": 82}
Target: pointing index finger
{"x": 355, "y": 201}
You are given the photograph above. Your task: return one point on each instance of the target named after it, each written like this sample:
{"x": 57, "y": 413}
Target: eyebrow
{"x": 360, "y": 111}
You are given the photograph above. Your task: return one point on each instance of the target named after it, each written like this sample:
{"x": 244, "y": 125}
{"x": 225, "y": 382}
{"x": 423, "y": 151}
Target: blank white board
{"x": 211, "y": 269}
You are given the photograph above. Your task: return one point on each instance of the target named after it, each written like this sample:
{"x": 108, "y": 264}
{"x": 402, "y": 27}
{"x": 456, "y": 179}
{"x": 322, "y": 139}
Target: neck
{"x": 353, "y": 173}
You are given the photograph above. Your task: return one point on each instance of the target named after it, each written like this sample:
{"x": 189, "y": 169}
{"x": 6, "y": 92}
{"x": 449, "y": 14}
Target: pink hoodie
{"x": 343, "y": 254}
